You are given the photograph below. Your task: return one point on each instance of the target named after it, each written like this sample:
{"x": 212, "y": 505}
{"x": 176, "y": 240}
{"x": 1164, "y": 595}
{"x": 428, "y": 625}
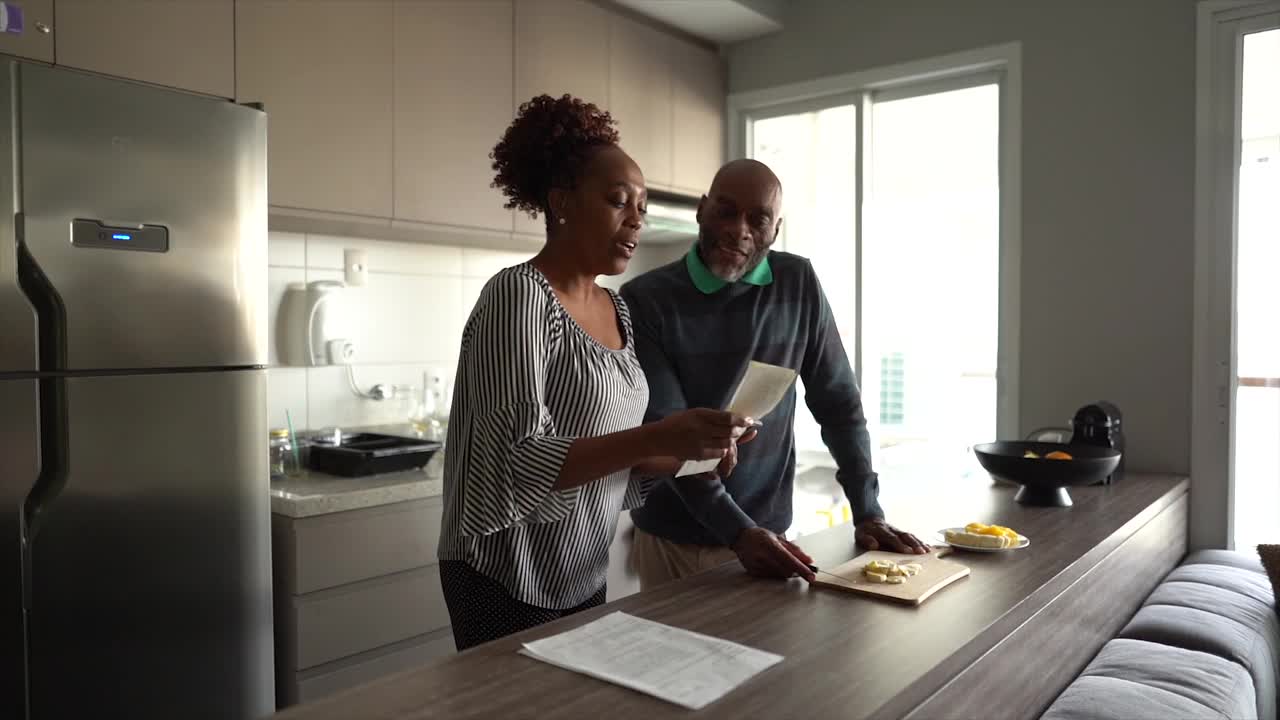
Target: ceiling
{"x": 718, "y": 21}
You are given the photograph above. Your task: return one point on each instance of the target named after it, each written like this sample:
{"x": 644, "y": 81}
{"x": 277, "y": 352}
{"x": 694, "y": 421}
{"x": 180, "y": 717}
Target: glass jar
{"x": 443, "y": 402}
{"x": 404, "y": 399}
{"x": 424, "y": 414}
{"x": 283, "y": 462}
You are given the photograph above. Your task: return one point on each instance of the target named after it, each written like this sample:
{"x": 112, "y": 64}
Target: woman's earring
{"x": 561, "y": 221}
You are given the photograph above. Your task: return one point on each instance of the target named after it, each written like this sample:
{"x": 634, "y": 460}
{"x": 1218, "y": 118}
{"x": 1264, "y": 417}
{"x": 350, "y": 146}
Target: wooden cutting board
{"x": 936, "y": 573}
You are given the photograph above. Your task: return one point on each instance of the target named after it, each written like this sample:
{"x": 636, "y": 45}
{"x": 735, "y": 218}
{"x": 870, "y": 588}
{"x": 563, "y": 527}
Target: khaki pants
{"x": 658, "y": 561}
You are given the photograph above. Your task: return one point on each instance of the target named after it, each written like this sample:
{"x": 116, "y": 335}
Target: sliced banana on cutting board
{"x": 889, "y": 572}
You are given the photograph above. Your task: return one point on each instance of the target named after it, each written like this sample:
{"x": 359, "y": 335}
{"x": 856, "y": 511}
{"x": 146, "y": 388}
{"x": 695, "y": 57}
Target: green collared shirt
{"x": 708, "y": 283}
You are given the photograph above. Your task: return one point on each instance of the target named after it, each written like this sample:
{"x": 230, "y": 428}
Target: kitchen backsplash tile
{"x": 326, "y": 252}
{"x": 287, "y": 390}
{"x": 330, "y": 401}
{"x": 405, "y": 321}
{"x": 478, "y": 263}
{"x": 407, "y": 318}
{"x": 427, "y": 328}
{"x": 397, "y": 319}
{"x": 286, "y": 250}
{"x": 471, "y": 288}
{"x": 278, "y": 281}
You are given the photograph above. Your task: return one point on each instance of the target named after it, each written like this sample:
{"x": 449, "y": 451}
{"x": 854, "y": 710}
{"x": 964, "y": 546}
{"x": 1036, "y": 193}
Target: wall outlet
{"x": 341, "y": 352}
{"x": 433, "y": 377}
{"x": 355, "y": 266}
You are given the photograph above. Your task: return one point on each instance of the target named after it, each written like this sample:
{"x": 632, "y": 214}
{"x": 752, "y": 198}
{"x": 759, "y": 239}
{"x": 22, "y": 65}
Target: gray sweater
{"x": 694, "y": 347}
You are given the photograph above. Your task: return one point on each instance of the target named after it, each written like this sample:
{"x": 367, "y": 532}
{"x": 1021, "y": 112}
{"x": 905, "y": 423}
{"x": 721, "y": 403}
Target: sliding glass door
{"x": 815, "y": 154}
{"x": 930, "y": 272}
{"x": 894, "y": 195}
{"x": 1235, "y": 438}
{"x": 1257, "y": 294}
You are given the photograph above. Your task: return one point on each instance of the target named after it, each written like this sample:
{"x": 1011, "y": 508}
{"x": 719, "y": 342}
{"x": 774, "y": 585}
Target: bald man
{"x": 697, "y": 323}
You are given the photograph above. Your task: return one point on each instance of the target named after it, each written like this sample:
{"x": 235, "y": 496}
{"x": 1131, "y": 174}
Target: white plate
{"x": 942, "y": 535}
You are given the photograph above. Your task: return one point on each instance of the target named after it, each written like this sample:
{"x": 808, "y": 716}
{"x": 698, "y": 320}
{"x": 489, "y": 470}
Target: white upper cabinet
{"x": 324, "y": 72}
{"x": 186, "y": 44}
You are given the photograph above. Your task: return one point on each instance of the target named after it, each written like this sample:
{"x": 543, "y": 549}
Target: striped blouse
{"x": 529, "y": 380}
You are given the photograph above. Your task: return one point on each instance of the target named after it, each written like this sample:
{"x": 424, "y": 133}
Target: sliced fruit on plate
{"x": 981, "y": 540}
{"x": 996, "y": 530}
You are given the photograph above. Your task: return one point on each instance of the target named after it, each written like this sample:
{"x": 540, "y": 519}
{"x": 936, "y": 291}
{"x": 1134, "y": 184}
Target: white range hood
{"x": 722, "y": 22}
{"x": 672, "y": 218}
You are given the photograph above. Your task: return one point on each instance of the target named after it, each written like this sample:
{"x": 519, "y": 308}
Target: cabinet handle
{"x": 45, "y": 29}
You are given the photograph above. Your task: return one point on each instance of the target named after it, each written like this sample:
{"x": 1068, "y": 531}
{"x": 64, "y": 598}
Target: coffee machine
{"x": 1100, "y": 424}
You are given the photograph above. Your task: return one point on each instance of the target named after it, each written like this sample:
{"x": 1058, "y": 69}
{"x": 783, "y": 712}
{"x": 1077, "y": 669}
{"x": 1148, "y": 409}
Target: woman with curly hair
{"x": 545, "y": 443}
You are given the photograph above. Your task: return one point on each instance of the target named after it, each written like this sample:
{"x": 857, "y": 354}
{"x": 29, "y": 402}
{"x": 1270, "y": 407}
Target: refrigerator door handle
{"x": 51, "y": 312}
{"x": 54, "y": 457}
{"x": 51, "y": 327}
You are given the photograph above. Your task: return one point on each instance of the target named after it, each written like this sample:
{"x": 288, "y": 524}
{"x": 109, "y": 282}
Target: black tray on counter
{"x": 371, "y": 454}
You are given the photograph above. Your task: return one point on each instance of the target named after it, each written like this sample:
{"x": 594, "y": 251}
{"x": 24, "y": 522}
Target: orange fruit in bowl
{"x": 1058, "y": 455}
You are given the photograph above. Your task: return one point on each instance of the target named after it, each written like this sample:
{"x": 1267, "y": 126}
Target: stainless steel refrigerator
{"x": 134, "y": 509}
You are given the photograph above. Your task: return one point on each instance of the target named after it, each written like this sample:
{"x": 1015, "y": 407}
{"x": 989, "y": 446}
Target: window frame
{"x": 1220, "y": 28}
{"x": 1001, "y": 64}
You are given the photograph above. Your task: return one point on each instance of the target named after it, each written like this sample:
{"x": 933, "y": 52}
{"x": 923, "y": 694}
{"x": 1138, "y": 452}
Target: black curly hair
{"x": 547, "y": 146}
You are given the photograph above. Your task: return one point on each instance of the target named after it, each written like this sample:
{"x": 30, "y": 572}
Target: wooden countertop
{"x": 846, "y": 656}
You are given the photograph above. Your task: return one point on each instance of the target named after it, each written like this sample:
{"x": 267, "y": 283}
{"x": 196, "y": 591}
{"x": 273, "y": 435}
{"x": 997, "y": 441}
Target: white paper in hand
{"x": 761, "y": 389}
{"x": 697, "y": 467}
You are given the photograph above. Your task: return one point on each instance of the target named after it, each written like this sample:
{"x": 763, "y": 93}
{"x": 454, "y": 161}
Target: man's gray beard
{"x": 731, "y": 277}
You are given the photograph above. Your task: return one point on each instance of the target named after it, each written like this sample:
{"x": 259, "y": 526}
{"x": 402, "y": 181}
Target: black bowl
{"x": 1044, "y": 481}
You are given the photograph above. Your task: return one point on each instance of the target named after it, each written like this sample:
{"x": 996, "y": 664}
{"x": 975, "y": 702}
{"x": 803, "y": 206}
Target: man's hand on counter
{"x": 876, "y": 534}
{"x": 766, "y": 554}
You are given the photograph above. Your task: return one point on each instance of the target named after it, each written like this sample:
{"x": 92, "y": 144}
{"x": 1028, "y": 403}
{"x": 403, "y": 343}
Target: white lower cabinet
{"x": 357, "y": 597}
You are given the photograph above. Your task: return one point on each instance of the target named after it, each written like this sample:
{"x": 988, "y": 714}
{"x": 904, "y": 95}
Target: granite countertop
{"x": 315, "y": 493}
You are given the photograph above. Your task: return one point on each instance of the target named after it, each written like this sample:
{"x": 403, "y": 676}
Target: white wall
{"x": 1108, "y": 96}
{"x": 409, "y": 318}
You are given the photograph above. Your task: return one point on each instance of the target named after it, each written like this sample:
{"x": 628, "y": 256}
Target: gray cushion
{"x": 1136, "y": 680}
{"x": 1248, "y": 611}
{"x": 1216, "y": 610}
{"x": 1244, "y": 582}
{"x": 1227, "y": 558}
